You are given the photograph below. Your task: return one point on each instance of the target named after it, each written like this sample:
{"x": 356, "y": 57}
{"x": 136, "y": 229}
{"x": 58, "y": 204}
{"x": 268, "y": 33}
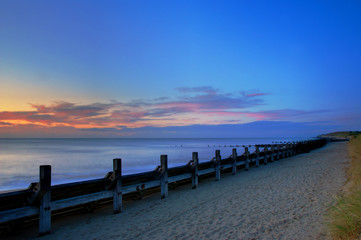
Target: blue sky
{"x": 115, "y": 68}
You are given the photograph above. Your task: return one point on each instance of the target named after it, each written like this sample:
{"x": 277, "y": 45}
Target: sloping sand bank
{"x": 286, "y": 199}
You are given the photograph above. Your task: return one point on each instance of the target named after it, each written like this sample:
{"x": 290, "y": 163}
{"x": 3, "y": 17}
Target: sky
{"x": 179, "y": 68}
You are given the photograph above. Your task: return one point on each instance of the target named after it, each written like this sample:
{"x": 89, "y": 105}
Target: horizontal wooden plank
{"x": 179, "y": 177}
{"x": 240, "y": 163}
{"x": 18, "y": 213}
{"x": 137, "y": 178}
{"x": 140, "y": 186}
{"x": 16, "y": 193}
{"x": 80, "y": 183}
{"x": 70, "y": 190}
{"x": 206, "y": 171}
{"x": 14, "y": 199}
{"x": 174, "y": 171}
{"x": 70, "y": 202}
{"x": 226, "y": 166}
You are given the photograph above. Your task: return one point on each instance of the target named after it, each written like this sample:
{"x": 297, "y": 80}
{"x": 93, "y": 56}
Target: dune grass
{"x": 345, "y": 134}
{"x": 345, "y": 216}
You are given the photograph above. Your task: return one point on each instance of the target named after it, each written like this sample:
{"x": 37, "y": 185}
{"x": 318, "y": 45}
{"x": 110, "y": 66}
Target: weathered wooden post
{"x": 257, "y": 156}
{"x": 164, "y": 176}
{"x": 279, "y": 151}
{"x": 234, "y": 161}
{"x": 218, "y": 165}
{"x": 296, "y": 147}
{"x": 195, "y": 170}
{"x": 288, "y": 149}
{"x": 272, "y": 153}
{"x": 246, "y": 153}
{"x": 293, "y": 148}
{"x": 45, "y": 200}
{"x": 283, "y": 151}
{"x": 265, "y": 150}
{"x": 117, "y": 190}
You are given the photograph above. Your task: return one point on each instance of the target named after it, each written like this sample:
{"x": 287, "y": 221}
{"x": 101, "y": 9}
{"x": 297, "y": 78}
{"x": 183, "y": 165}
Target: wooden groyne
{"x": 41, "y": 201}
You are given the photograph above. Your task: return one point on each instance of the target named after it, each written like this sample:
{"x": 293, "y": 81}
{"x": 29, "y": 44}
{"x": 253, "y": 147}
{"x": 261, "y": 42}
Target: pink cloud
{"x": 256, "y": 94}
{"x": 253, "y": 93}
{"x": 201, "y": 105}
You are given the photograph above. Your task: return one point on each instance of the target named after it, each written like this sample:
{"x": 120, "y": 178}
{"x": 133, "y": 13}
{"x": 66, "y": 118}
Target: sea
{"x": 78, "y": 159}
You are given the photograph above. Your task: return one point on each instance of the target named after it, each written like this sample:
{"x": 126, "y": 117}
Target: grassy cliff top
{"x": 345, "y": 216}
{"x": 348, "y": 134}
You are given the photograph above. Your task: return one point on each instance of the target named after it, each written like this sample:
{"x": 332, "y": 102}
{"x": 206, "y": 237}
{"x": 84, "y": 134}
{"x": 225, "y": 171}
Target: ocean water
{"x": 82, "y": 159}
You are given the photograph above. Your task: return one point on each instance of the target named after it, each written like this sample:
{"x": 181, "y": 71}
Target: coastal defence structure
{"x": 41, "y": 202}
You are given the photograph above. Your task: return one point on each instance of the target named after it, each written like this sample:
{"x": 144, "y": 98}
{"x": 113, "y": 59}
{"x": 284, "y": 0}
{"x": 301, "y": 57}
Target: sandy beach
{"x": 286, "y": 199}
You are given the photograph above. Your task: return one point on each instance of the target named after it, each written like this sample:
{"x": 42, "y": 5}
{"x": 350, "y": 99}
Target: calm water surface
{"x": 82, "y": 159}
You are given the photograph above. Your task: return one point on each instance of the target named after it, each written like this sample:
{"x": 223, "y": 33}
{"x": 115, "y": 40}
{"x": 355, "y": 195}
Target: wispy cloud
{"x": 253, "y": 93}
{"x": 198, "y": 105}
{"x": 5, "y": 124}
{"x": 292, "y": 114}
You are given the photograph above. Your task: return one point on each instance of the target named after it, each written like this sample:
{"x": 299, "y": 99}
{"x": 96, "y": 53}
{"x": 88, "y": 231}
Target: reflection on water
{"x": 82, "y": 159}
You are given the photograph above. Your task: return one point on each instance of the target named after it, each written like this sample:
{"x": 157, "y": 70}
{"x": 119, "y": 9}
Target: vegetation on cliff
{"x": 345, "y": 216}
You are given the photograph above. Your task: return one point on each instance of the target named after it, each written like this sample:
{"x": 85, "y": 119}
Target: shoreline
{"x": 284, "y": 200}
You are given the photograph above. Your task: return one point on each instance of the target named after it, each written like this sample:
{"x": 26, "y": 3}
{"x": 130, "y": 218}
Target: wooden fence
{"x": 41, "y": 201}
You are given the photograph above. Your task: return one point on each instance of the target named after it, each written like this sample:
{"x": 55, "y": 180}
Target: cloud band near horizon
{"x": 195, "y": 106}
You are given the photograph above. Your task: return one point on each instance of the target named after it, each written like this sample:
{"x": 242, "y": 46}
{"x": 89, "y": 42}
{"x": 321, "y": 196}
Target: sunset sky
{"x": 179, "y": 68}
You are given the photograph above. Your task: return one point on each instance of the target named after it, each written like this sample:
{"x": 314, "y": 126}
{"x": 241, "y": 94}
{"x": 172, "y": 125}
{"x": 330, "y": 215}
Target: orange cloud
{"x": 201, "y": 105}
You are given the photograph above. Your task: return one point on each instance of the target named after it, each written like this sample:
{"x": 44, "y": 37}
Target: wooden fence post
{"x": 288, "y": 153}
{"x": 195, "y": 170}
{"x": 45, "y": 200}
{"x": 272, "y": 153}
{"x": 295, "y": 148}
{"x": 234, "y": 161}
{"x": 117, "y": 191}
{"x": 164, "y": 176}
{"x": 218, "y": 165}
{"x": 279, "y": 151}
{"x": 257, "y": 156}
{"x": 283, "y": 151}
{"x": 246, "y": 153}
{"x": 265, "y": 156}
